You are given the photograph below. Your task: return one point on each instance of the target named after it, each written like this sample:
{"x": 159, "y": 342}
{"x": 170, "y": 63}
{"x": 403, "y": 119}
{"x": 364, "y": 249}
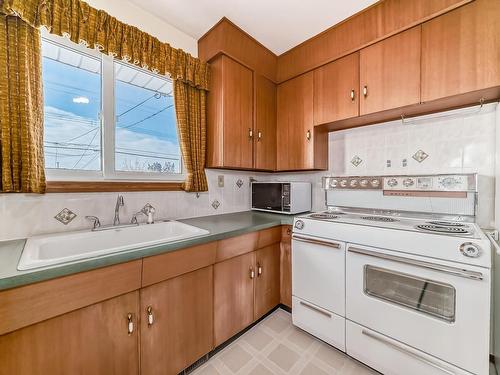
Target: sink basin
{"x": 49, "y": 250}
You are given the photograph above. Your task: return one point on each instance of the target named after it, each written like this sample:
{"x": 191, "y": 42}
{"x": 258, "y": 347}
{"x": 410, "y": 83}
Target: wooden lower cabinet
{"x": 233, "y": 296}
{"x": 267, "y": 280}
{"x": 91, "y": 340}
{"x": 176, "y": 322}
{"x": 286, "y": 266}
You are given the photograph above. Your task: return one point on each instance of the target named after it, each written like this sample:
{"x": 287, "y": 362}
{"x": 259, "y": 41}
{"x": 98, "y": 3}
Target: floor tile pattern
{"x": 275, "y": 346}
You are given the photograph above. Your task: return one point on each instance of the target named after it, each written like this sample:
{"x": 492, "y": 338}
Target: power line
{"x": 146, "y": 118}
{"x": 83, "y": 153}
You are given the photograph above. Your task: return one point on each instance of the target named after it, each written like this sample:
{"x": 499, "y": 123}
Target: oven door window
{"x": 426, "y": 296}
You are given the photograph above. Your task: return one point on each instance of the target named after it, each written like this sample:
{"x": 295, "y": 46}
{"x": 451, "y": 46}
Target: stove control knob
{"x": 299, "y": 224}
{"x": 407, "y": 182}
{"x": 392, "y": 182}
{"x": 334, "y": 183}
{"x": 353, "y": 183}
{"x": 364, "y": 182}
{"x": 375, "y": 183}
{"x": 343, "y": 183}
{"x": 470, "y": 250}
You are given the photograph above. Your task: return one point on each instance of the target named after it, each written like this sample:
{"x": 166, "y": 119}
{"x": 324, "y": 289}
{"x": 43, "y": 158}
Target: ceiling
{"x": 277, "y": 24}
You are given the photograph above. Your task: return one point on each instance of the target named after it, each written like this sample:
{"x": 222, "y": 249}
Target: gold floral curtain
{"x": 190, "y": 106}
{"x": 21, "y": 108}
{"x": 94, "y": 28}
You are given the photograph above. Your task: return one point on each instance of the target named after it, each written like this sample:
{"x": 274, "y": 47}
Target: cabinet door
{"x": 286, "y": 266}
{"x": 238, "y": 114}
{"x": 265, "y": 124}
{"x": 461, "y": 50}
{"x": 336, "y": 90}
{"x": 267, "y": 281}
{"x": 176, "y": 322}
{"x": 390, "y": 72}
{"x": 295, "y": 124}
{"x": 91, "y": 340}
{"x": 233, "y": 296}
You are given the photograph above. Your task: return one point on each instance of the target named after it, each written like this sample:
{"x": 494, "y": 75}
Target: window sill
{"x": 110, "y": 186}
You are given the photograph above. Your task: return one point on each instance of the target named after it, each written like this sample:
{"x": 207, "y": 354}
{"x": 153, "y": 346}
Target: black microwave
{"x": 282, "y": 197}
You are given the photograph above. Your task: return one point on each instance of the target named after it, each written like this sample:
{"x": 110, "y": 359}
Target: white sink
{"x": 49, "y": 250}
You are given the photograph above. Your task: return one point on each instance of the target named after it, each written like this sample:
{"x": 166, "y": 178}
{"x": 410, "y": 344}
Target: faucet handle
{"x": 95, "y": 220}
{"x": 134, "y": 217}
{"x": 149, "y": 211}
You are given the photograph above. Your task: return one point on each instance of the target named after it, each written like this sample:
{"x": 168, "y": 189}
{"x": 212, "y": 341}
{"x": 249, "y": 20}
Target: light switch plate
{"x": 220, "y": 180}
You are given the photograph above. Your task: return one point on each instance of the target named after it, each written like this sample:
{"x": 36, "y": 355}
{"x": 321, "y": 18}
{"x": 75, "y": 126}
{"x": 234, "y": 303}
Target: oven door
{"x": 442, "y": 309}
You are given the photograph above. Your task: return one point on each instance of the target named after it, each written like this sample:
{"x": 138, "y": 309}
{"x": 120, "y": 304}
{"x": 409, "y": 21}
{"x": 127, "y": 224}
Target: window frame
{"x": 108, "y": 173}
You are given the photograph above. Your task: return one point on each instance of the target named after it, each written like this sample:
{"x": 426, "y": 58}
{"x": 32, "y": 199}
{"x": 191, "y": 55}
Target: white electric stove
{"x": 396, "y": 273}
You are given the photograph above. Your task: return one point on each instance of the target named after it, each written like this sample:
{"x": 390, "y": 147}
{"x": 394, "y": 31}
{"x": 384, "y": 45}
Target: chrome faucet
{"x": 95, "y": 220}
{"x": 119, "y": 203}
{"x": 148, "y": 211}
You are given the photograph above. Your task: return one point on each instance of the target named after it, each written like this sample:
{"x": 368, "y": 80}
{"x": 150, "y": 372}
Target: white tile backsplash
{"x": 462, "y": 144}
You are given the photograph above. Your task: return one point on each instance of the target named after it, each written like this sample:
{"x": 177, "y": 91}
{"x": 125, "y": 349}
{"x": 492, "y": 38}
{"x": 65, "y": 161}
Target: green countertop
{"x": 219, "y": 226}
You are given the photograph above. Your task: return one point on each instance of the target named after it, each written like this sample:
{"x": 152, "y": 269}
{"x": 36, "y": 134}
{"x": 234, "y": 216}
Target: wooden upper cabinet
{"x": 390, "y": 72}
{"x": 230, "y": 115}
{"x": 265, "y": 124}
{"x": 300, "y": 146}
{"x": 91, "y": 340}
{"x": 461, "y": 51}
{"x": 336, "y": 90}
{"x": 181, "y": 327}
{"x": 267, "y": 280}
{"x": 233, "y": 296}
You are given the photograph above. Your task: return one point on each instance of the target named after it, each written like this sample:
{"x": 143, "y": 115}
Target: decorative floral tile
{"x": 215, "y": 204}
{"x": 65, "y": 216}
{"x": 356, "y": 160}
{"x": 239, "y": 183}
{"x": 420, "y": 156}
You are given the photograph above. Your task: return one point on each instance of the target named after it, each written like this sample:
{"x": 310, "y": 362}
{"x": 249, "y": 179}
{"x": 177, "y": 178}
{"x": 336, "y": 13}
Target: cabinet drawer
{"x": 268, "y": 237}
{"x": 319, "y": 322}
{"x": 392, "y": 357}
{"x": 165, "y": 266}
{"x": 23, "y": 306}
{"x": 234, "y": 246}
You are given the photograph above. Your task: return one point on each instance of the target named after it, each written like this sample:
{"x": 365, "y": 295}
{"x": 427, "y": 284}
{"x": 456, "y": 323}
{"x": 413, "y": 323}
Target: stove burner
{"x": 447, "y": 223}
{"x": 379, "y": 218}
{"x": 443, "y": 229}
{"x": 323, "y": 216}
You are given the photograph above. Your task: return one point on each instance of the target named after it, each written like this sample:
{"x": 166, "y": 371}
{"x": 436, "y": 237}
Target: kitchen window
{"x": 106, "y": 119}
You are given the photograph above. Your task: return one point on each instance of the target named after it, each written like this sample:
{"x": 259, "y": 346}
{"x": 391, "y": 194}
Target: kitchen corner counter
{"x": 220, "y": 227}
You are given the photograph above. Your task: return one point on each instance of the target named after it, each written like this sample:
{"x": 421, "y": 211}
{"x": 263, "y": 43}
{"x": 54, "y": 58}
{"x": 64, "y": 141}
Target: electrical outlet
{"x": 220, "y": 180}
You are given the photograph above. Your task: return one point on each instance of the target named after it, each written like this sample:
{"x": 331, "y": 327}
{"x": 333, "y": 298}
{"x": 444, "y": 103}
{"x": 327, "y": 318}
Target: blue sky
{"x": 76, "y": 124}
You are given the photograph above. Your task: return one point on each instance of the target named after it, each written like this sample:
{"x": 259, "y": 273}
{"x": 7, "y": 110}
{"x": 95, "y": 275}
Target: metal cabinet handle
{"x": 149, "y": 310}
{"x": 259, "y": 269}
{"x": 252, "y": 273}
{"x": 353, "y": 95}
{"x": 308, "y": 135}
{"x": 259, "y": 136}
{"x": 250, "y": 133}
{"x": 314, "y": 308}
{"x": 406, "y": 351}
{"x": 365, "y": 91}
{"x": 314, "y": 241}
{"x": 455, "y": 271}
{"x": 288, "y": 231}
{"x": 130, "y": 325}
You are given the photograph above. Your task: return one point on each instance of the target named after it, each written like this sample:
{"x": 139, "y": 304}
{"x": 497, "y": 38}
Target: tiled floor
{"x": 275, "y": 346}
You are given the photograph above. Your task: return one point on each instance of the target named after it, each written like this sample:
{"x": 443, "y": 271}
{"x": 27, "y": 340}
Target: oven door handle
{"x": 315, "y": 241}
{"x": 420, "y": 263}
{"x": 406, "y": 351}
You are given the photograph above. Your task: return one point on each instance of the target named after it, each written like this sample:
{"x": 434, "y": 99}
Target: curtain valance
{"x": 84, "y": 24}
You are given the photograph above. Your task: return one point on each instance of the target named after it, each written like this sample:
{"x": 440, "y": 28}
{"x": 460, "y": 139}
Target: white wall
{"x": 463, "y": 144}
{"x": 132, "y": 14}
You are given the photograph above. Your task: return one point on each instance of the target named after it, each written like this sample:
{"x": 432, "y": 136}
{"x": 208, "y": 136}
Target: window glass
{"x": 72, "y": 103}
{"x": 145, "y": 128}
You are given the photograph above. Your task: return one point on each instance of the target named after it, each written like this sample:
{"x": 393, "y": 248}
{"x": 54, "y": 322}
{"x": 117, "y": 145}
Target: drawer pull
{"x": 314, "y": 308}
{"x": 420, "y": 263}
{"x": 150, "y": 316}
{"x": 315, "y": 241}
{"x": 404, "y": 350}
{"x": 130, "y": 325}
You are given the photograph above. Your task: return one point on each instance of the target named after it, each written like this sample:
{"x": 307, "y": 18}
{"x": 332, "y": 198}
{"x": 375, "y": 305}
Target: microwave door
{"x": 267, "y": 196}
